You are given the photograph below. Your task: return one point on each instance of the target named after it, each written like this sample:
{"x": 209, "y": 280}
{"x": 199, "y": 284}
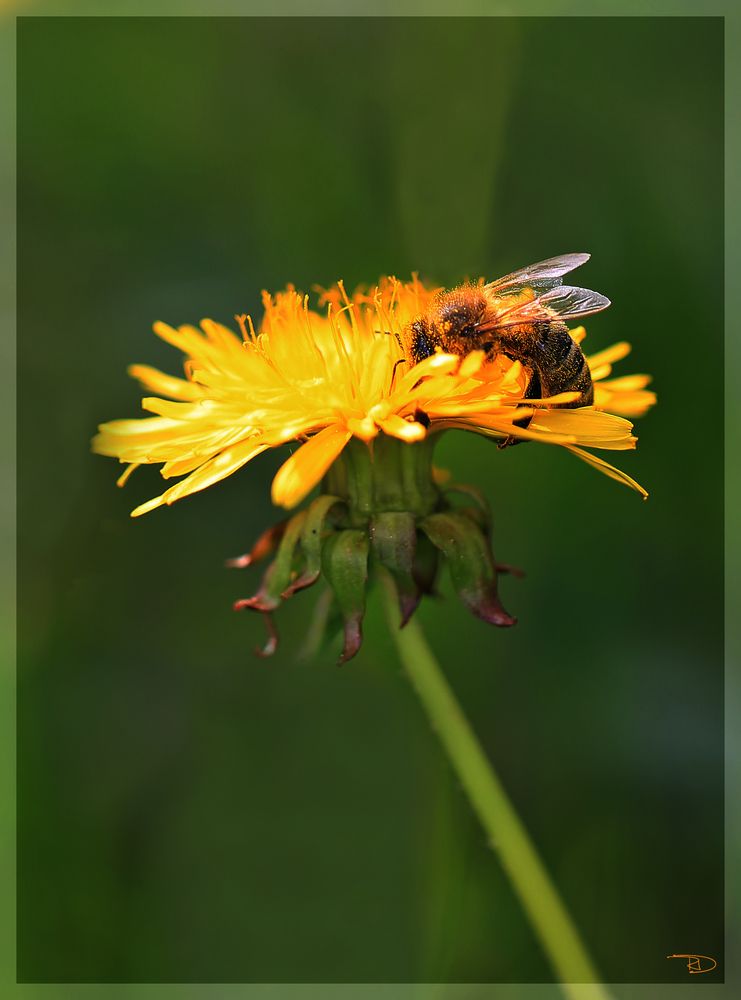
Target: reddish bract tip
{"x": 265, "y": 544}
{"x": 271, "y": 643}
{"x": 408, "y": 604}
{"x": 487, "y": 606}
{"x": 240, "y": 562}
{"x": 353, "y": 639}
{"x": 300, "y": 583}
{"x": 256, "y": 603}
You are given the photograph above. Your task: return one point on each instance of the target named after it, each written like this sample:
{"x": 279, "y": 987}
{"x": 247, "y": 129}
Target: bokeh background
{"x": 190, "y": 813}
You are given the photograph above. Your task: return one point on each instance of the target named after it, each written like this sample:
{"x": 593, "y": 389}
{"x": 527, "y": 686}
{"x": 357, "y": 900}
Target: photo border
{"x": 9, "y": 14}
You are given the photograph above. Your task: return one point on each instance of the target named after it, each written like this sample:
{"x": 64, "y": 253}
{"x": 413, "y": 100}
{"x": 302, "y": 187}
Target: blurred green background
{"x": 190, "y": 813}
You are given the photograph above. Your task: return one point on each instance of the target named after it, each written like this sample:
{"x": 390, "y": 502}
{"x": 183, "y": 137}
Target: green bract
{"x": 380, "y": 506}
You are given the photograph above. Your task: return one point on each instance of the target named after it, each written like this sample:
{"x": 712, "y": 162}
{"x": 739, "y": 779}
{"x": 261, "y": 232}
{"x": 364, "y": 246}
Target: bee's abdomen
{"x": 562, "y": 366}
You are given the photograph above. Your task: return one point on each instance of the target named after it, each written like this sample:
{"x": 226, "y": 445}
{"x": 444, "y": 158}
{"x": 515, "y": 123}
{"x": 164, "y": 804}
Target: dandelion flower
{"x": 321, "y": 378}
{"x": 334, "y": 379}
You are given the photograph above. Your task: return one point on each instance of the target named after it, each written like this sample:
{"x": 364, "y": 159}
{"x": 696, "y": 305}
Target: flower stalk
{"x": 506, "y": 833}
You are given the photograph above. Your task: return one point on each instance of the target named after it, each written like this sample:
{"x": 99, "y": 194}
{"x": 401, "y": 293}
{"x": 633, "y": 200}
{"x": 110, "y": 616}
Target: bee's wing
{"x": 569, "y": 302}
{"x": 544, "y": 274}
{"x": 561, "y": 302}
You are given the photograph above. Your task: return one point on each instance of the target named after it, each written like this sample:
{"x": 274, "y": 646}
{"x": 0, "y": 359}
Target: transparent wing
{"x": 569, "y": 302}
{"x": 545, "y": 274}
{"x": 563, "y": 302}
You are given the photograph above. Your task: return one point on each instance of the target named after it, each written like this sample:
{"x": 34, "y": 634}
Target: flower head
{"x": 336, "y": 379}
{"x": 323, "y": 376}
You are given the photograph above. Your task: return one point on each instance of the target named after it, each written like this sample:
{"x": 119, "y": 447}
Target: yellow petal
{"x": 502, "y": 427}
{"x": 212, "y": 471}
{"x": 630, "y": 404}
{"x": 196, "y": 410}
{"x": 222, "y": 335}
{"x": 578, "y": 334}
{"x": 303, "y": 470}
{"x": 436, "y": 364}
{"x": 405, "y": 430}
{"x": 471, "y": 364}
{"x": 609, "y": 470}
{"x": 167, "y": 385}
{"x": 365, "y": 428}
{"x": 123, "y": 478}
{"x": 627, "y": 395}
{"x": 609, "y": 356}
{"x": 186, "y": 338}
{"x": 558, "y": 400}
{"x": 627, "y": 383}
{"x": 149, "y": 426}
{"x": 144, "y": 508}
{"x": 587, "y": 425}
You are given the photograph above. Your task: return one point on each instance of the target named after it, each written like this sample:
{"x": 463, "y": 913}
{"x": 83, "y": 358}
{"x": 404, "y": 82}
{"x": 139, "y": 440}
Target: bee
{"x": 521, "y": 316}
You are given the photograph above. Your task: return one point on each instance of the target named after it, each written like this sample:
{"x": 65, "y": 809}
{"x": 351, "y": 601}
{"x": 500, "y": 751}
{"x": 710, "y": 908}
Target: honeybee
{"x": 521, "y": 316}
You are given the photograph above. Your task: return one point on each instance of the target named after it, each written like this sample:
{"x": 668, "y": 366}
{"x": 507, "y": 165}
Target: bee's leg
{"x": 533, "y": 391}
{"x": 401, "y": 361}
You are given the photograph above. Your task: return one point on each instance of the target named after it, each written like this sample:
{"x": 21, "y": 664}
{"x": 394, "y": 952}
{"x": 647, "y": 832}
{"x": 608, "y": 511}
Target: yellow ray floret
{"x": 322, "y": 377}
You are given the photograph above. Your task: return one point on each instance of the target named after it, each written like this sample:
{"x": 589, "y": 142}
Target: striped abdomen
{"x": 555, "y": 360}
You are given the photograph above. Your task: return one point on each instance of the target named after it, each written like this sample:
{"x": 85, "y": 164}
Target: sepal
{"x": 279, "y": 572}
{"x": 381, "y": 508}
{"x": 472, "y": 569}
{"x": 394, "y": 543}
{"x": 345, "y": 566}
{"x": 312, "y": 537}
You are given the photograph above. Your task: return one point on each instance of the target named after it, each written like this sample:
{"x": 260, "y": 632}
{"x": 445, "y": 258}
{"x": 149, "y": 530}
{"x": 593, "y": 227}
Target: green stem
{"x": 509, "y": 838}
